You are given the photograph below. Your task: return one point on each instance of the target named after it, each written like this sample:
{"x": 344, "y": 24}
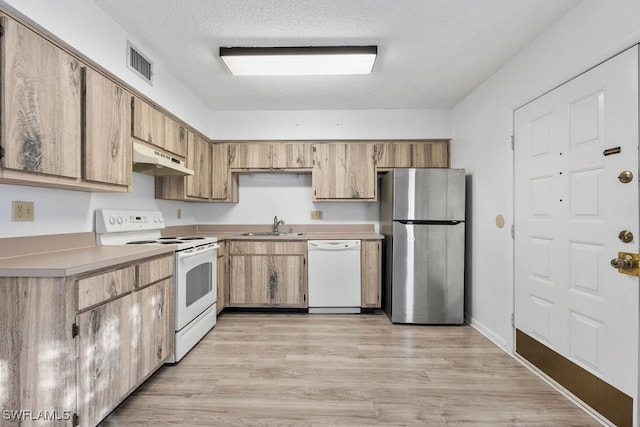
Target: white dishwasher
{"x": 334, "y": 276}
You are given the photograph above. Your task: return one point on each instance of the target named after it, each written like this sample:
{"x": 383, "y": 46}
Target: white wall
{"x": 482, "y": 124}
{"x": 331, "y": 124}
{"x": 289, "y": 196}
{"x": 63, "y": 211}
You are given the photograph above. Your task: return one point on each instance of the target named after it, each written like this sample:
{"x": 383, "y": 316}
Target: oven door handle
{"x": 183, "y": 255}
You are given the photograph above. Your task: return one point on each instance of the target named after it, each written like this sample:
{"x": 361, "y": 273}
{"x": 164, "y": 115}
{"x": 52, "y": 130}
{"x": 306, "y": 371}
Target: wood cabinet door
{"x": 393, "y": 155}
{"x": 223, "y": 284}
{"x": 286, "y": 281}
{"x": 430, "y": 154}
{"x": 41, "y": 104}
{"x": 250, "y": 155}
{"x": 371, "y": 259}
{"x": 220, "y": 175}
{"x": 142, "y": 120}
{"x": 157, "y": 321}
{"x": 292, "y": 155}
{"x": 107, "y": 361}
{"x": 107, "y": 144}
{"x": 344, "y": 171}
{"x": 198, "y": 159}
{"x": 175, "y": 136}
{"x": 267, "y": 280}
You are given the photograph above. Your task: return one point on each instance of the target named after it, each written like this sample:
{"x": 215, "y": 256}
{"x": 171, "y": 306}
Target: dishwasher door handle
{"x": 334, "y": 246}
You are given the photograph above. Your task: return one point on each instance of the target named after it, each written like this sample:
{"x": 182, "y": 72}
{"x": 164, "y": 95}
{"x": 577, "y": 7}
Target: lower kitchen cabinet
{"x": 222, "y": 280}
{"x": 267, "y": 274}
{"x": 371, "y": 275}
{"x": 84, "y": 342}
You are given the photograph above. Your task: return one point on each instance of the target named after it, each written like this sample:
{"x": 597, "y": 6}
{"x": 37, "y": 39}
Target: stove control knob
{"x": 155, "y": 219}
{"x": 120, "y": 220}
{"x": 112, "y": 220}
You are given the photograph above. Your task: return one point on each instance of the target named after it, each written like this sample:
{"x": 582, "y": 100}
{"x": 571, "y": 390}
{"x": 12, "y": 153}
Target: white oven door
{"x": 196, "y": 286}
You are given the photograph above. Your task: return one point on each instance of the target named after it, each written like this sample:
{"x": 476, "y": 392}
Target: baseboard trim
{"x": 605, "y": 399}
{"x": 486, "y": 332}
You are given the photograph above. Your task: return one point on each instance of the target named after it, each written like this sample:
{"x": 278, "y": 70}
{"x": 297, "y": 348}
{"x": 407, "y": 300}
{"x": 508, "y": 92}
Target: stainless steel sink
{"x": 269, "y": 233}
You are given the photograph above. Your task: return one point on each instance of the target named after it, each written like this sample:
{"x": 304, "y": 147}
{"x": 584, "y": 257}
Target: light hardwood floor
{"x": 344, "y": 370}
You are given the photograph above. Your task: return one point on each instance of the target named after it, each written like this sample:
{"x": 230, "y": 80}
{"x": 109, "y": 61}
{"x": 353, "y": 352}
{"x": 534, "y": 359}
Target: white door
{"x": 570, "y": 208}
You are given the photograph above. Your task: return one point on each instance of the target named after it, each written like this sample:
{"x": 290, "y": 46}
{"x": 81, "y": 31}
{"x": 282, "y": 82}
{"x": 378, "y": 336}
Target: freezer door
{"x": 430, "y": 194}
{"x": 427, "y": 283}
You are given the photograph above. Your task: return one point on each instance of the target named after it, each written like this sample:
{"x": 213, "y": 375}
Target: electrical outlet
{"x": 179, "y": 213}
{"x": 21, "y": 211}
{"x": 316, "y": 214}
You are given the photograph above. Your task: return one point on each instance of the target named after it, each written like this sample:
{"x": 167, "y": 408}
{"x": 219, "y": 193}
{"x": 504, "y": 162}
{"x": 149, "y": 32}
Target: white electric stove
{"x": 195, "y": 273}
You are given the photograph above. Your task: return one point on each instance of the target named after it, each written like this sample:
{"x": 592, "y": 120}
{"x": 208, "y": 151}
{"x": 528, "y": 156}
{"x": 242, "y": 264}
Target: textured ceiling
{"x": 431, "y": 53}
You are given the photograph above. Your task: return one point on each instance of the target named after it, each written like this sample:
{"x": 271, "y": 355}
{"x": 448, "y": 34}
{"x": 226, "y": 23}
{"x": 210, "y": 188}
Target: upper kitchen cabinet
{"x": 344, "y": 171}
{"x": 41, "y": 106}
{"x": 175, "y": 136}
{"x": 250, "y": 155}
{"x": 63, "y": 124}
{"x": 153, "y": 126}
{"x": 142, "y": 122}
{"x": 196, "y": 187}
{"x": 270, "y": 155}
{"x": 393, "y": 155}
{"x": 198, "y": 159}
{"x": 107, "y": 145}
{"x": 433, "y": 154}
{"x": 292, "y": 155}
{"x": 224, "y": 184}
{"x": 412, "y": 154}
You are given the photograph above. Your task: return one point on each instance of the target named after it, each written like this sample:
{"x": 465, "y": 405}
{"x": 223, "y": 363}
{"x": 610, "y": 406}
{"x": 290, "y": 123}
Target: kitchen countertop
{"x": 221, "y": 236}
{"x": 299, "y": 232}
{"x": 71, "y": 262}
{"x": 72, "y": 254}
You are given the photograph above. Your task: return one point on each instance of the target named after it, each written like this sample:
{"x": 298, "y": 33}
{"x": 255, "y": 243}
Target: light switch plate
{"x": 21, "y": 211}
{"x": 316, "y": 214}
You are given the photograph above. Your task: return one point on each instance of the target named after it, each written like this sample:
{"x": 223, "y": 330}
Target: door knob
{"x": 625, "y": 177}
{"x": 627, "y": 263}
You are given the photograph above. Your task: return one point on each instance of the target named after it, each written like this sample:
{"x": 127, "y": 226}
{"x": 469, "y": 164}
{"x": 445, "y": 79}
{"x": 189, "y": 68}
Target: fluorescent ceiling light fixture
{"x": 299, "y": 61}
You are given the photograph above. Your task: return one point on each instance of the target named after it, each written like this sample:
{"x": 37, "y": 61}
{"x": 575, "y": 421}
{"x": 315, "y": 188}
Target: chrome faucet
{"x": 276, "y": 224}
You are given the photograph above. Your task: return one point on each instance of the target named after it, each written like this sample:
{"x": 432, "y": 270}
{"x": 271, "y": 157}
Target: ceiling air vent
{"x": 138, "y": 63}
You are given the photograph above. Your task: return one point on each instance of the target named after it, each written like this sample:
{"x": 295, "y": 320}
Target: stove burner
{"x": 191, "y": 238}
{"x": 170, "y": 242}
{"x": 141, "y": 242}
{"x": 167, "y": 238}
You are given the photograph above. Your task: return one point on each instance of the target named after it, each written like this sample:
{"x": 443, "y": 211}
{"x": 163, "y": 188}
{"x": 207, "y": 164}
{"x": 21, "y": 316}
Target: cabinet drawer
{"x": 103, "y": 287}
{"x": 153, "y": 270}
{"x": 268, "y": 247}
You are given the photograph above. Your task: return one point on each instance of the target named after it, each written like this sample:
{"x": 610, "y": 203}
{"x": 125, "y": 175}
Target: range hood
{"x": 150, "y": 161}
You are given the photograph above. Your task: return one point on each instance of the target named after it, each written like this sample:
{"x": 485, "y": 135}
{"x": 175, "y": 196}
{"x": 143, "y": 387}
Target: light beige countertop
{"x": 299, "y": 232}
{"x": 72, "y": 254}
{"x": 294, "y": 236}
{"x": 71, "y": 262}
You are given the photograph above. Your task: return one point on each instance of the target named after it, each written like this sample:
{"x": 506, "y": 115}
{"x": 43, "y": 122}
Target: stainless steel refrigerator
{"x": 422, "y": 216}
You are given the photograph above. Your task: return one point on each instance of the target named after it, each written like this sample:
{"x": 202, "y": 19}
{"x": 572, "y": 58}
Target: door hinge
{"x": 513, "y": 143}
{"x": 75, "y": 331}
{"x": 76, "y": 420}
{"x": 1, "y": 153}
{"x": 513, "y": 320}
{"x": 513, "y": 231}
{"x": 1, "y": 30}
